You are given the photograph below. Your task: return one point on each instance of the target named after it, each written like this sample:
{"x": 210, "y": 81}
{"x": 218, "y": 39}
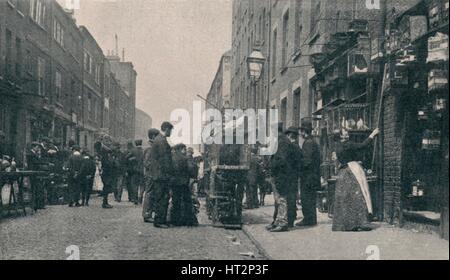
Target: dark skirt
{"x": 350, "y": 209}
{"x": 182, "y": 212}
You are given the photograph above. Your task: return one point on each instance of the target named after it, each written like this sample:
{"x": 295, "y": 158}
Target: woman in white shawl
{"x": 352, "y": 204}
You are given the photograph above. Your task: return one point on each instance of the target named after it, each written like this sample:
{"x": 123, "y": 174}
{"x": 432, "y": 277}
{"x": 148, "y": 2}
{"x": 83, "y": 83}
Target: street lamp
{"x": 255, "y": 63}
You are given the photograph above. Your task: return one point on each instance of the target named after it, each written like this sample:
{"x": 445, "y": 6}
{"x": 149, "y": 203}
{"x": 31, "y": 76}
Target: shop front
{"x": 417, "y": 45}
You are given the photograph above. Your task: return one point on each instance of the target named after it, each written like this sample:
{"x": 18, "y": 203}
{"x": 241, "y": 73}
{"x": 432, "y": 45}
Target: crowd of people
{"x": 160, "y": 177}
{"x": 166, "y": 180}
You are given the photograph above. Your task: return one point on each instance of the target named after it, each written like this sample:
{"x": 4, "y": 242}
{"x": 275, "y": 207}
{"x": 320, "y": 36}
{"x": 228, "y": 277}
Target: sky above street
{"x": 175, "y": 46}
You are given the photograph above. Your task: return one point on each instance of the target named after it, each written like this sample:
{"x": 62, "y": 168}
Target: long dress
{"x": 352, "y": 201}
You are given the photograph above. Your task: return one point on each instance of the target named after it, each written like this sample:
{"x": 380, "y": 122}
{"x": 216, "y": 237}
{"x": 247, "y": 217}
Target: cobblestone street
{"x": 118, "y": 233}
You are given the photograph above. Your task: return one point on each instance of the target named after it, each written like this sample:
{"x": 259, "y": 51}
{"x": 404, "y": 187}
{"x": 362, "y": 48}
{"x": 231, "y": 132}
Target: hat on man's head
{"x": 35, "y": 143}
{"x": 306, "y": 124}
{"x": 166, "y": 125}
{"x": 292, "y": 129}
{"x": 179, "y": 147}
{"x": 76, "y": 148}
{"x": 152, "y": 133}
{"x": 138, "y": 142}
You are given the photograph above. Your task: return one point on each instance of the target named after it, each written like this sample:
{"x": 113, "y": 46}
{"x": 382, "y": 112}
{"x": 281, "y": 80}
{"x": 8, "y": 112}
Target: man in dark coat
{"x": 182, "y": 211}
{"x": 105, "y": 153}
{"x": 87, "y": 177}
{"x": 310, "y": 175}
{"x": 254, "y": 180}
{"x": 161, "y": 173}
{"x": 74, "y": 166}
{"x": 148, "y": 204}
{"x": 284, "y": 169}
{"x": 135, "y": 170}
{"x": 130, "y": 163}
{"x": 296, "y": 159}
{"x": 35, "y": 162}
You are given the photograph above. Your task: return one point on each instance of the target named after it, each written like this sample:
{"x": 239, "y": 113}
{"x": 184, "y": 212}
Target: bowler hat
{"x": 306, "y": 124}
{"x": 166, "y": 125}
{"x": 153, "y": 132}
{"x": 292, "y": 129}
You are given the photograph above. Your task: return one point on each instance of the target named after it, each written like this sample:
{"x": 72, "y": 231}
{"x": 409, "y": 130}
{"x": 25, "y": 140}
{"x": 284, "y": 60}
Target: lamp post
{"x": 255, "y": 63}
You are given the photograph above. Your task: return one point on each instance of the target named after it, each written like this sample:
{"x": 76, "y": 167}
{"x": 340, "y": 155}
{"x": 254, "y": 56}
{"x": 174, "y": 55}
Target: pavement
{"x": 386, "y": 242}
{"x": 116, "y": 234}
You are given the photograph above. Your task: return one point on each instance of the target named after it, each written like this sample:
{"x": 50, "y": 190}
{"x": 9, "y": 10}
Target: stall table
{"x": 17, "y": 177}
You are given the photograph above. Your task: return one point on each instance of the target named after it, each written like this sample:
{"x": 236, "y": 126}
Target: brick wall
{"x": 392, "y": 156}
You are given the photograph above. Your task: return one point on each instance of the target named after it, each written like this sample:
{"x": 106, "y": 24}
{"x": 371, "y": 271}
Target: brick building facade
{"x": 219, "y": 95}
{"x": 52, "y": 79}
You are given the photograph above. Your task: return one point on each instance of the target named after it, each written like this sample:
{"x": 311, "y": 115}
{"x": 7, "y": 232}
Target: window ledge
{"x": 296, "y": 55}
{"x": 273, "y": 80}
{"x": 283, "y": 70}
{"x": 10, "y": 4}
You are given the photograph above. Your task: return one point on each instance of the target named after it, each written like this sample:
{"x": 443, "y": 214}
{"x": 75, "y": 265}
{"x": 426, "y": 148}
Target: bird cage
{"x": 437, "y": 79}
{"x": 359, "y": 58}
{"x": 354, "y": 117}
{"x": 438, "y": 48}
{"x": 358, "y": 64}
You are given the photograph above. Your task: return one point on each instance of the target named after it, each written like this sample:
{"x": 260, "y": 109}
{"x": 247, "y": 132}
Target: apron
{"x": 360, "y": 176}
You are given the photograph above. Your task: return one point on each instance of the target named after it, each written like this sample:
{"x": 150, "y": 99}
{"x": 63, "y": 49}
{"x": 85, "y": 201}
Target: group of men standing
{"x": 167, "y": 178}
{"x": 296, "y": 163}
{"x": 120, "y": 168}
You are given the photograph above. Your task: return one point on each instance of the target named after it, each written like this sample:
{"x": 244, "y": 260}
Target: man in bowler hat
{"x": 310, "y": 175}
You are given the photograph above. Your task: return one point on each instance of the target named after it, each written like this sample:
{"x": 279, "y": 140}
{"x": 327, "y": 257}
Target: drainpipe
{"x": 268, "y": 66}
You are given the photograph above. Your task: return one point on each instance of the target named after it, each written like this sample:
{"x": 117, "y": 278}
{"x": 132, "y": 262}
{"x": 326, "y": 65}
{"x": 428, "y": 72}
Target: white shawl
{"x": 360, "y": 176}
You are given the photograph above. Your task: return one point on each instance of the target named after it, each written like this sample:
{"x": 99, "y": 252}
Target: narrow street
{"x": 116, "y": 234}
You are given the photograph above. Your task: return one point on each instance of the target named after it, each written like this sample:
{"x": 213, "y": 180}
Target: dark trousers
{"x": 148, "y": 204}
{"x": 251, "y": 196}
{"x": 308, "y": 197}
{"x": 161, "y": 199}
{"x": 108, "y": 187}
{"x": 182, "y": 212}
{"x": 39, "y": 192}
{"x": 133, "y": 182}
{"x": 118, "y": 188}
{"x": 74, "y": 191}
{"x": 86, "y": 190}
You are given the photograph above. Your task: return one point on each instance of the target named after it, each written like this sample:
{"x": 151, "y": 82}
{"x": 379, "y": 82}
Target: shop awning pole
{"x": 380, "y": 108}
